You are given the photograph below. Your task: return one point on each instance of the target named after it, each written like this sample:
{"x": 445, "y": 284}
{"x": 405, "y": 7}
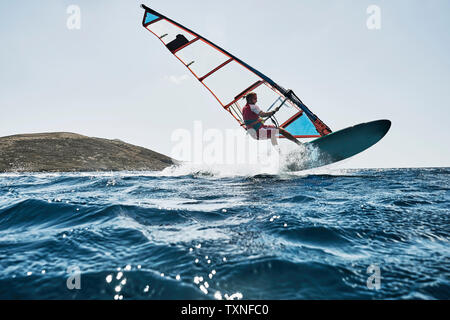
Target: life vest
{"x": 251, "y": 119}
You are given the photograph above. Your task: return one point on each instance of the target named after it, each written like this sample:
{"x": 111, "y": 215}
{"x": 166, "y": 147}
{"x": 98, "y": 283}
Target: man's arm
{"x": 268, "y": 114}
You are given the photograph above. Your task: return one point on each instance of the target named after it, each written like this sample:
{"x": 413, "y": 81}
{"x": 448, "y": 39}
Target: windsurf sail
{"x": 229, "y": 79}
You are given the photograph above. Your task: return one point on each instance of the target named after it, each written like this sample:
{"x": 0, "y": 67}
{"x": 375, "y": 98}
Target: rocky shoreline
{"x": 71, "y": 152}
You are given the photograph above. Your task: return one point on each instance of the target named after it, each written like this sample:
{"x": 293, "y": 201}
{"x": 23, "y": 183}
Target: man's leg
{"x": 289, "y": 136}
{"x": 269, "y": 132}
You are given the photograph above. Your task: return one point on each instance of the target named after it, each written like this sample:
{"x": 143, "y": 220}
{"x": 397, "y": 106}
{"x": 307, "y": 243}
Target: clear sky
{"x": 114, "y": 79}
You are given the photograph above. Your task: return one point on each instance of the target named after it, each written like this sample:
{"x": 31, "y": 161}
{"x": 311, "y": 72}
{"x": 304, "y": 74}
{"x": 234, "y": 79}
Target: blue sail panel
{"x": 302, "y": 127}
{"x": 149, "y": 17}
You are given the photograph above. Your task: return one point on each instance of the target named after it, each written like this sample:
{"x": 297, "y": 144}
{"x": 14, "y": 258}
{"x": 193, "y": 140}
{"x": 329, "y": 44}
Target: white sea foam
{"x": 293, "y": 160}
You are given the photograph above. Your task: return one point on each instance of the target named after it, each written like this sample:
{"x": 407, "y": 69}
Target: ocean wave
{"x": 187, "y": 234}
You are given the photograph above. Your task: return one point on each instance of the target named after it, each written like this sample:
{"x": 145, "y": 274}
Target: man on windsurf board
{"x": 253, "y": 115}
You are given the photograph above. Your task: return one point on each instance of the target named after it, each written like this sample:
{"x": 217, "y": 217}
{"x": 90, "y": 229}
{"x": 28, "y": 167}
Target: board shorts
{"x": 265, "y": 132}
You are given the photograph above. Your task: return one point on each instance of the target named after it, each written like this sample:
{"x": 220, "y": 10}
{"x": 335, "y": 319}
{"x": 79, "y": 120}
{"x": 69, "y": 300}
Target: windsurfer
{"x": 253, "y": 115}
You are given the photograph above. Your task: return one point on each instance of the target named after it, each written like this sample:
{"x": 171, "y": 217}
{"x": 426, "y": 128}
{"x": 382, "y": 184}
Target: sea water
{"x": 190, "y": 233}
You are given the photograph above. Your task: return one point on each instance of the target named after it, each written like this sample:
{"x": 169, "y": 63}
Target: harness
{"x": 254, "y": 124}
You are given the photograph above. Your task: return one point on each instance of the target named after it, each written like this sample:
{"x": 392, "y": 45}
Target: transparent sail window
{"x": 206, "y": 58}
{"x": 230, "y": 81}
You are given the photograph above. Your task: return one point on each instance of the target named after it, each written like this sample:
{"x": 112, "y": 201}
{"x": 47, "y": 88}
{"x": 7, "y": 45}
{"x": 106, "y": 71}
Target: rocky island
{"x": 71, "y": 152}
